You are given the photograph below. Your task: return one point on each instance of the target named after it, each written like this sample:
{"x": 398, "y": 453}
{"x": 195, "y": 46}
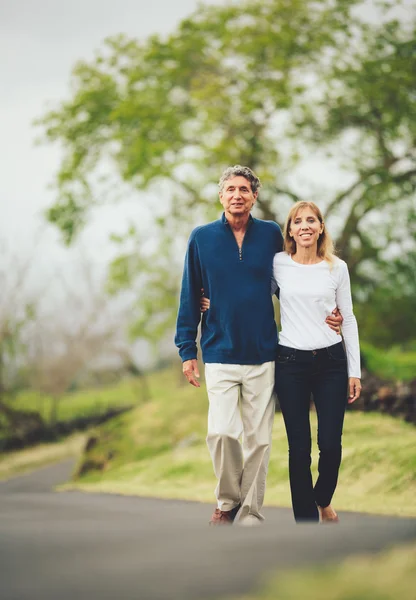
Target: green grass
{"x": 83, "y": 403}
{"x": 387, "y": 576}
{"x": 392, "y": 364}
{"x": 73, "y": 405}
{"x": 158, "y": 449}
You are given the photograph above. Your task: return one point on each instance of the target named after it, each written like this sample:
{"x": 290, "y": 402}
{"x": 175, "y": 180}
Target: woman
{"x": 310, "y": 359}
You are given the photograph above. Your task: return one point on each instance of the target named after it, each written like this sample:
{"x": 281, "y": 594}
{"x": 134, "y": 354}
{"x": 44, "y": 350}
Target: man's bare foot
{"x": 328, "y": 515}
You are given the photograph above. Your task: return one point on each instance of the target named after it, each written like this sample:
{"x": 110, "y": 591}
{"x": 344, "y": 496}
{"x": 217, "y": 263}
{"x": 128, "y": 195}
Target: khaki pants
{"x": 241, "y": 406}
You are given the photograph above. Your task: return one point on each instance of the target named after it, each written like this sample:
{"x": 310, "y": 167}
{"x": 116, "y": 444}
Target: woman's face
{"x": 305, "y": 228}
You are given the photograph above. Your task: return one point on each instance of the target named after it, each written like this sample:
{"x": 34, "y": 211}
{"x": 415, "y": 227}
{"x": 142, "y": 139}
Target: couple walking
{"x": 239, "y": 263}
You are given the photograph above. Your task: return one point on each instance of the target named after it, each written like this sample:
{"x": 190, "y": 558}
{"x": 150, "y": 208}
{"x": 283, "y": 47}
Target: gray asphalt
{"x": 70, "y": 545}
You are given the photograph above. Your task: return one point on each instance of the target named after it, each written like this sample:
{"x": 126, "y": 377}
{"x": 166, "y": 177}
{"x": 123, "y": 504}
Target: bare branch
{"x": 388, "y": 156}
{"x": 353, "y": 219}
{"x": 266, "y": 208}
{"x": 285, "y": 192}
{"x": 345, "y": 193}
{"x": 187, "y": 187}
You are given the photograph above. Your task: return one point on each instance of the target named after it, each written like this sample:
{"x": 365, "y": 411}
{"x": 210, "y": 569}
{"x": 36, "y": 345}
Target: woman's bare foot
{"x": 328, "y": 515}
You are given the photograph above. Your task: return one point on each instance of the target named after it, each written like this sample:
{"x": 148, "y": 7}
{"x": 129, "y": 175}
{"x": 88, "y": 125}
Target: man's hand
{"x": 354, "y": 385}
{"x": 190, "y": 370}
{"x": 335, "y": 320}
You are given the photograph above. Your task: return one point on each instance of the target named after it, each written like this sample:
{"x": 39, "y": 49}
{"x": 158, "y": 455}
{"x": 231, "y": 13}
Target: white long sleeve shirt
{"x": 308, "y": 294}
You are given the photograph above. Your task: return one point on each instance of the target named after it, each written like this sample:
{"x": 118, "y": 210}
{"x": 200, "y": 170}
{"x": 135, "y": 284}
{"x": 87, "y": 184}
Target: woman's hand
{"x": 354, "y": 389}
{"x": 204, "y": 303}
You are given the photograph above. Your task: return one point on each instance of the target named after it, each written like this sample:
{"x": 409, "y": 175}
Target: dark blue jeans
{"x": 323, "y": 375}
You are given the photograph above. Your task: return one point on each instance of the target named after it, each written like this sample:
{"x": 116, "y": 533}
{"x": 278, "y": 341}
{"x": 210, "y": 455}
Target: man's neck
{"x": 238, "y": 222}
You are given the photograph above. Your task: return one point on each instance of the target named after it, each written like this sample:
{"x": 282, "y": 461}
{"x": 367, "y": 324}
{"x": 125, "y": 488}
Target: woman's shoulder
{"x": 338, "y": 263}
{"x": 281, "y": 258}
{"x": 338, "y": 268}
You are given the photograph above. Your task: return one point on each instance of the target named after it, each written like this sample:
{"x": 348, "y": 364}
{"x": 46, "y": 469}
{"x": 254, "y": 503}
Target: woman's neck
{"x": 306, "y": 256}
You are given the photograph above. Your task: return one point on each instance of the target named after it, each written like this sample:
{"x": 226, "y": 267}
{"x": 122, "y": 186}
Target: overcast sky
{"x": 40, "y": 41}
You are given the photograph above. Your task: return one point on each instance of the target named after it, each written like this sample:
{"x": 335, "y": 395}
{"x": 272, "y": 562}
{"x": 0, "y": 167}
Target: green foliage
{"x": 69, "y": 217}
{"x": 14, "y": 323}
{"x": 83, "y": 403}
{"x": 387, "y": 316}
{"x": 265, "y": 83}
{"x": 391, "y": 364}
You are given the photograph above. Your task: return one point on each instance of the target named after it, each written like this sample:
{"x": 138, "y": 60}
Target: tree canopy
{"x": 265, "y": 83}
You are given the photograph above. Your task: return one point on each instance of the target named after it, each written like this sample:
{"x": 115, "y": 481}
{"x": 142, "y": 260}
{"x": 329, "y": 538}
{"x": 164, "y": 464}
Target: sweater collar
{"x": 224, "y": 220}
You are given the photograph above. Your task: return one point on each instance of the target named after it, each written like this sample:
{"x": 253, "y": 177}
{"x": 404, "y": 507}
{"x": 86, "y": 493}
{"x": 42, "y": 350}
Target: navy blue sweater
{"x": 239, "y": 327}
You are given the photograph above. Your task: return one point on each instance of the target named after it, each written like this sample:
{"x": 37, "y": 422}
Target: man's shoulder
{"x": 271, "y": 225}
{"x": 271, "y": 230}
{"x": 270, "y": 234}
{"x": 205, "y": 229}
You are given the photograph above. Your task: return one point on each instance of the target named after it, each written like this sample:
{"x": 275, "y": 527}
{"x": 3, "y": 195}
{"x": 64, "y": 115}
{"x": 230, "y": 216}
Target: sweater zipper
{"x": 240, "y": 249}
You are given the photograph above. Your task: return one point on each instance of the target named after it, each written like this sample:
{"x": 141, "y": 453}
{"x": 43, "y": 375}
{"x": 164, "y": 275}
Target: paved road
{"x": 75, "y": 546}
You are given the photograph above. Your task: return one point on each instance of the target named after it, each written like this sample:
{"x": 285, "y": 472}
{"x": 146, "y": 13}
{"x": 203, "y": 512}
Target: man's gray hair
{"x": 239, "y": 171}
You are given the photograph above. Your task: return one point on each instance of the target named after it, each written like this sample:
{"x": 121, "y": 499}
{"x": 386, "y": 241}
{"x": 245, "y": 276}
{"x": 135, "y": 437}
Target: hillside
{"x": 158, "y": 449}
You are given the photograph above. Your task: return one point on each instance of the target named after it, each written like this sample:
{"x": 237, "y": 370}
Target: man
{"x": 231, "y": 259}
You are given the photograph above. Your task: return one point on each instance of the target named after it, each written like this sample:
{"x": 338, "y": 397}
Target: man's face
{"x": 237, "y": 197}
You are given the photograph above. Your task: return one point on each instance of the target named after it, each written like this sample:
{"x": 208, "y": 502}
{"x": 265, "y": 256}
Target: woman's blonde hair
{"x": 326, "y": 250}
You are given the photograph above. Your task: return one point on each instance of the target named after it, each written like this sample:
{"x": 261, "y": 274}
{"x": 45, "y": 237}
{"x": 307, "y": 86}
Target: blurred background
{"x": 117, "y": 120}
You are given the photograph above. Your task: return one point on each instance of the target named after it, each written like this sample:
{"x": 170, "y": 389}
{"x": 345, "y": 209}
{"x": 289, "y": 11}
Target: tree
{"x": 83, "y": 331}
{"x": 264, "y": 83}
{"x": 389, "y": 316}
{"x": 18, "y": 308}
{"x": 17, "y": 314}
